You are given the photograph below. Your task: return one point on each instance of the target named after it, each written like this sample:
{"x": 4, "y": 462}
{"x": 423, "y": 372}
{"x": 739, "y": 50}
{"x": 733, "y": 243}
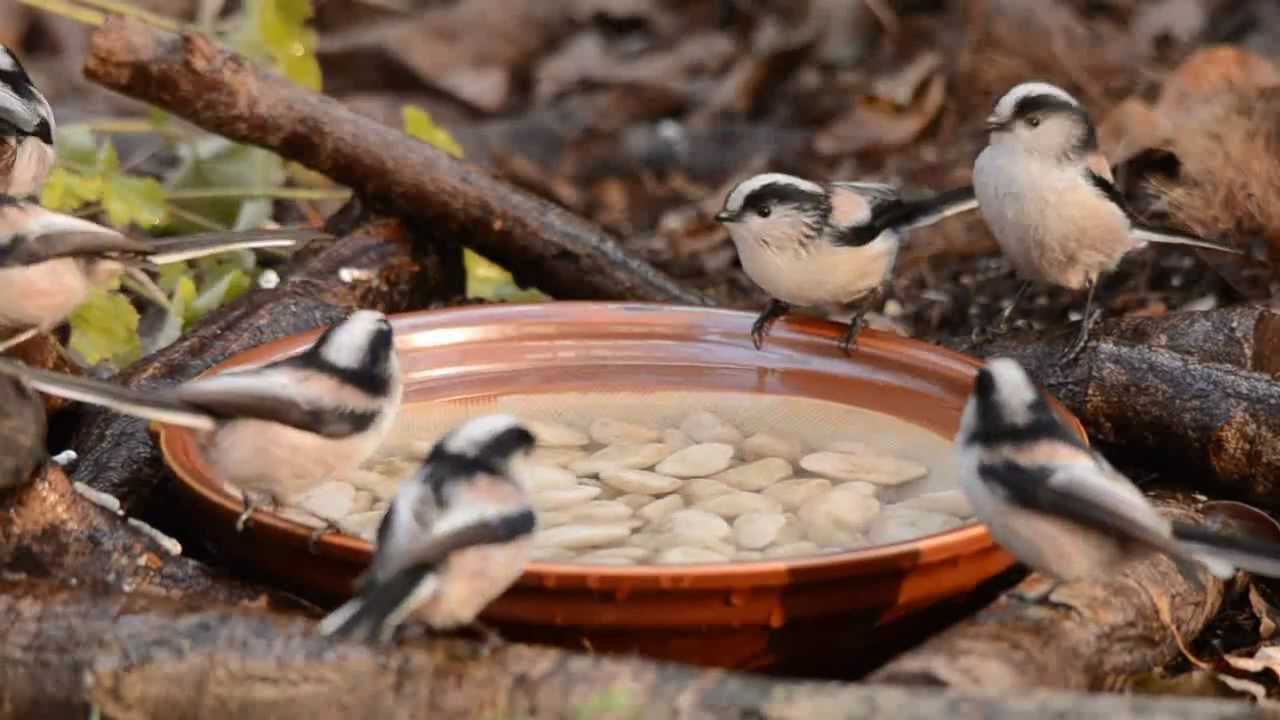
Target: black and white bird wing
{"x": 1091, "y": 495}
{"x": 158, "y": 405}
{"x": 913, "y": 214}
{"x": 886, "y": 210}
{"x": 275, "y": 394}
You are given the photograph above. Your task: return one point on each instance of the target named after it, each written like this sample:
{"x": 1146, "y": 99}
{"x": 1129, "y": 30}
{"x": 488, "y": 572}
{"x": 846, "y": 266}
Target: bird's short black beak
{"x": 724, "y": 216}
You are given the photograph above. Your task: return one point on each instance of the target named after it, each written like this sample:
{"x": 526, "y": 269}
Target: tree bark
{"x": 51, "y": 531}
{"x": 1194, "y": 393}
{"x": 68, "y": 652}
{"x": 118, "y": 456}
{"x": 540, "y": 243}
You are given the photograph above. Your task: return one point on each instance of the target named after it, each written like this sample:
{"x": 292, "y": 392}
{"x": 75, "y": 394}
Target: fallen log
{"x": 1091, "y": 633}
{"x": 395, "y": 273}
{"x": 73, "y": 654}
{"x": 1194, "y": 393}
{"x": 52, "y": 531}
{"x": 540, "y": 243}
{"x": 22, "y": 433}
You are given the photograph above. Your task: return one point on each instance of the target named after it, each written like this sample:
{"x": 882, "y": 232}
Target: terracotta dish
{"x": 757, "y": 614}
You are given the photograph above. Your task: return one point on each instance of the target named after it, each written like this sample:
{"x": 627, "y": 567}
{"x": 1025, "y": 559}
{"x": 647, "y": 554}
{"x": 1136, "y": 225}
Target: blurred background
{"x": 640, "y": 114}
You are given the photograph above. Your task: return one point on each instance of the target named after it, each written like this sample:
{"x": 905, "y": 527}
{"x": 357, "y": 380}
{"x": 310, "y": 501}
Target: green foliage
{"x": 486, "y": 279}
{"x": 105, "y": 327}
{"x": 611, "y": 703}
{"x": 277, "y": 30}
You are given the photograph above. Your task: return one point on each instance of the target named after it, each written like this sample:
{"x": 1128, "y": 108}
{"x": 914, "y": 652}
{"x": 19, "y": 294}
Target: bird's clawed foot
{"x": 1077, "y": 346}
{"x": 1040, "y": 594}
{"x": 760, "y": 328}
{"x": 490, "y": 638}
{"x": 849, "y": 342}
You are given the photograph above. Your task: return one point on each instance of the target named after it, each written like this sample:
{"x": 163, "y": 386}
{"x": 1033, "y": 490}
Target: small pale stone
{"x": 707, "y": 427}
{"x": 667, "y": 541}
{"x": 733, "y": 504}
{"x": 330, "y": 500}
{"x": 758, "y": 475}
{"x": 860, "y": 486}
{"x": 795, "y": 492}
{"x": 658, "y": 510}
{"x": 552, "y": 434}
{"x": 947, "y": 502}
{"x": 700, "y": 488}
{"x": 608, "y": 432}
{"x": 635, "y": 501}
{"x": 643, "y": 482}
{"x": 676, "y": 438}
{"x": 553, "y": 518}
{"x": 791, "y": 531}
{"x": 592, "y": 559}
{"x": 697, "y": 460}
{"x": 697, "y": 523}
{"x": 581, "y": 536}
{"x": 635, "y": 456}
{"x": 838, "y": 517}
{"x": 599, "y": 511}
{"x": 795, "y": 549}
{"x": 878, "y": 469}
{"x": 550, "y": 554}
{"x": 681, "y": 555}
{"x": 563, "y": 497}
{"x": 763, "y": 445}
{"x": 383, "y": 486}
{"x": 630, "y": 552}
{"x": 903, "y": 524}
{"x": 539, "y": 477}
{"x": 362, "y": 501}
{"x": 363, "y": 525}
{"x": 748, "y": 555}
{"x": 757, "y": 530}
{"x": 556, "y": 456}
{"x": 853, "y": 447}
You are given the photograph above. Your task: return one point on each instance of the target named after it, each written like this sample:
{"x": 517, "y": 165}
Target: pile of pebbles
{"x": 620, "y": 493}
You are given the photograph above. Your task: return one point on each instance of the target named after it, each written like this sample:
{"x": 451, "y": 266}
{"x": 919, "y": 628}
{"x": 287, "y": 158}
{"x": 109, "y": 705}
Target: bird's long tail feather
{"x": 152, "y": 405}
{"x": 1249, "y": 554}
{"x": 380, "y": 605}
{"x": 1172, "y": 237}
{"x": 919, "y": 213}
{"x": 190, "y": 247}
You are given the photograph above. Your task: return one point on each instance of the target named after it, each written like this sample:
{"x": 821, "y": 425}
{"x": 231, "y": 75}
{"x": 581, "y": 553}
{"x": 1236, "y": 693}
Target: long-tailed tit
{"x": 50, "y": 261}
{"x": 1060, "y": 507}
{"x": 816, "y": 245}
{"x": 1046, "y": 191}
{"x": 275, "y": 430}
{"x": 456, "y": 536}
{"x": 26, "y": 130}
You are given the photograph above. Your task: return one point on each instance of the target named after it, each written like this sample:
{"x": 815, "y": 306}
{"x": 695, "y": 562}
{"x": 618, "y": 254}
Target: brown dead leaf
{"x": 588, "y": 59}
{"x": 1130, "y": 127}
{"x": 1265, "y": 658}
{"x": 1210, "y": 71}
{"x": 875, "y": 124}
{"x": 1265, "y": 611}
{"x": 1173, "y": 23}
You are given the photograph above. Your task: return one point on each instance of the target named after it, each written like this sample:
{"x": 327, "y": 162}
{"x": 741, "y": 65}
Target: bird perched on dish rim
{"x": 1046, "y": 191}
{"x": 273, "y": 431}
{"x": 815, "y": 245}
{"x": 456, "y": 536}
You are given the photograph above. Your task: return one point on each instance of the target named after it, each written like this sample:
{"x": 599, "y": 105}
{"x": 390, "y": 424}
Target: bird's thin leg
{"x": 1078, "y": 344}
{"x": 849, "y": 342}
{"x": 250, "y": 504}
{"x": 1001, "y": 325}
{"x": 774, "y": 310}
{"x": 18, "y": 339}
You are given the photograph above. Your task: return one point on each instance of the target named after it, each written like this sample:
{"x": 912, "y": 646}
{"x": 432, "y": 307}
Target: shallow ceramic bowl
{"x": 745, "y": 614}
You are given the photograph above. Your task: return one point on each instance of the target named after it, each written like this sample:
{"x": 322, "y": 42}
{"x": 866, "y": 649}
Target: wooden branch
{"x": 69, "y": 652}
{"x": 539, "y": 242}
{"x": 118, "y": 456}
{"x": 22, "y": 433}
{"x": 51, "y": 531}
{"x": 1195, "y": 393}
{"x": 1096, "y": 631}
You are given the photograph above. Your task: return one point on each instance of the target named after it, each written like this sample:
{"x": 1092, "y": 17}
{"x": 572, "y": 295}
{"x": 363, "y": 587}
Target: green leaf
{"x": 277, "y": 30}
{"x": 486, "y": 280}
{"x": 184, "y": 297}
{"x": 418, "y": 124}
{"x": 217, "y": 162}
{"x": 77, "y": 145}
{"x": 134, "y": 200}
{"x": 105, "y": 327}
{"x": 68, "y": 191}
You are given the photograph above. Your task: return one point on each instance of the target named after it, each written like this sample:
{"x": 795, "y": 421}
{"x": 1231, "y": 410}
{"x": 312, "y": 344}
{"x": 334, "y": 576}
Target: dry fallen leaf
{"x": 876, "y": 124}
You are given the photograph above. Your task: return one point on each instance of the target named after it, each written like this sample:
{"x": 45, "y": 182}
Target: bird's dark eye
{"x": 764, "y": 211}
{"x": 1034, "y": 121}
